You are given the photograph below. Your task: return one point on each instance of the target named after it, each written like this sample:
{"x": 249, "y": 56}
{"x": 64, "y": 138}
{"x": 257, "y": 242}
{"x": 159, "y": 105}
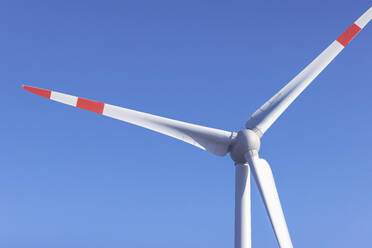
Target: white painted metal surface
{"x": 63, "y": 98}
{"x": 263, "y": 176}
{"x": 242, "y": 206}
{"x": 213, "y": 140}
{"x": 364, "y": 19}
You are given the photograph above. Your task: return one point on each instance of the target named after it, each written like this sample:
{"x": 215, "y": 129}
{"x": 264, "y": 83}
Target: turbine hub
{"x": 246, "y": 140}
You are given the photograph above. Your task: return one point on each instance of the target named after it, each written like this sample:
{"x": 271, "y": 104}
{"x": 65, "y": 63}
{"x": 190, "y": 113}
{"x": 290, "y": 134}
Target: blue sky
{"x": 71, "y": 178}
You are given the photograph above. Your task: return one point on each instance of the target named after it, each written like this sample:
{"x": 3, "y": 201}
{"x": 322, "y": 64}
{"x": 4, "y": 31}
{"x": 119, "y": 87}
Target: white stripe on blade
{"x": 64, "y": 98}
{"x": 364, "y": 19}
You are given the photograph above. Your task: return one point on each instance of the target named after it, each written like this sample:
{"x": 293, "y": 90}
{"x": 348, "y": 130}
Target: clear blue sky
{"x": 72, "y": 178}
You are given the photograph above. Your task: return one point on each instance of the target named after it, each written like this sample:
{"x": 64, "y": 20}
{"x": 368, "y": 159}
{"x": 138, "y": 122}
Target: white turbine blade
{"x": 210, "y": 139}
{"x": 266, "y": 115}
{"x": 265, "y": 182}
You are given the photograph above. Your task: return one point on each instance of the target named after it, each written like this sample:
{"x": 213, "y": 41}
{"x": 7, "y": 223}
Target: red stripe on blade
{"x": 90, "y": 105}
{"x": 348, "y": 35}
{"x": 37, "y": 91}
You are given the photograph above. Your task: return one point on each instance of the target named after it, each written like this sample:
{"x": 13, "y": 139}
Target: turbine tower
{"x": 243, "y": 146}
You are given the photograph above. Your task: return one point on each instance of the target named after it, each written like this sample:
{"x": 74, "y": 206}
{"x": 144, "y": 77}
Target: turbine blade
{"x": 210, "y": 139}
{"x": 265, "y": 182}
{"x": 267, "y": 114}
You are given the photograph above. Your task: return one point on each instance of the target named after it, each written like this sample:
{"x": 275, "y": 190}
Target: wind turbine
{"x": 243, "y": 146}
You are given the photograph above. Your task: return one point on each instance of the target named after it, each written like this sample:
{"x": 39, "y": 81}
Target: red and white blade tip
{"x": 74, "y": 101}
{"x": 38, "y": 91}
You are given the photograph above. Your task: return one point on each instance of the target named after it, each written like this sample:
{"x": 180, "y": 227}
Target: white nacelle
{"x": 246, "y": 140}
